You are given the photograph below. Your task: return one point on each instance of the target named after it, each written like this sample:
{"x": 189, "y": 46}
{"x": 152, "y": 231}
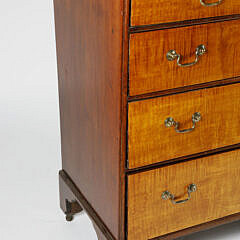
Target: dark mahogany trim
{"x": 164, "y": 93}
{"x": 124, "y": 119}
{"x": 201, "y": 227}
{"x": 183, "y": 159}
{"x": 186, "y": 23}
{"x": 86, "y": 205}
{"x": 130, "y": 13}
{"x": 126, "y": 209}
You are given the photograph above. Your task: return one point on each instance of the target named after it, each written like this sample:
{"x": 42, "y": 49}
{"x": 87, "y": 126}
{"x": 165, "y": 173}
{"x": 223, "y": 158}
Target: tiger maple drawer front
{"x": 153, "y": 134}
{"x": 147, "y": 12}
{"x": 212, "y": 197}
{"x": 211, "y": 50}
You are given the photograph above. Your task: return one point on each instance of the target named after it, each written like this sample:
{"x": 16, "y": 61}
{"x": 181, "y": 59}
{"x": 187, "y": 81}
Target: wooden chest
{"x": 150, "y": 118}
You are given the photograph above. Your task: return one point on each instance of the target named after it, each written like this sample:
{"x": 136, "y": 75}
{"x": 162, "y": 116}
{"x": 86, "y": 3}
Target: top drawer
{"x": 147, "y": 12}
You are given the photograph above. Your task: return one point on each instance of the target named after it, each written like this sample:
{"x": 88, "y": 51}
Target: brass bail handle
{"x": 169, "y": 196}
{"x": 205, "y": 4}
{"x": 172, "y": 55}
{"x": 170, "y": 122}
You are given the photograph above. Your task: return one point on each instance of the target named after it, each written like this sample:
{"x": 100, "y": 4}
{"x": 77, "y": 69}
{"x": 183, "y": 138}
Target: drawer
{"x": 147, "y": 12}
{"x": 150, "y": 216}
{"x": 151, "y": 71}
{"x": 150, "y": 141}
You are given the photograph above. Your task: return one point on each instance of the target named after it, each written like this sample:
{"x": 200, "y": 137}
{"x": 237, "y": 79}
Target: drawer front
{"x": 150, "y": 141}
{"x": 147, "y": 12}
{"x": 151, "y": 71}
{"x": 150, "y": 216}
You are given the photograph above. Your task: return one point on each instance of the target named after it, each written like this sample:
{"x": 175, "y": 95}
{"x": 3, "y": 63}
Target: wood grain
{"x": 89, "y": 46}
{"x": 147, "y": 12}
{"x": 150, "y": 141}
{"x": 217, "y": 196}
{"x": 150, "y": 71}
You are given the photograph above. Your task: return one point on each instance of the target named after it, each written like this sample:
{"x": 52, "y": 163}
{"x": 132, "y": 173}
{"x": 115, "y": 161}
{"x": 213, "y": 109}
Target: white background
{"x": 29, "y": 131}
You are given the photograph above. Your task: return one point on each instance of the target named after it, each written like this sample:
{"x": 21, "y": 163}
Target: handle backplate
{"x": 170, "y": 122}
{"x": 205, "y": 4}
{"x": 169, "y": 196}
{"x": 172, "y": 55}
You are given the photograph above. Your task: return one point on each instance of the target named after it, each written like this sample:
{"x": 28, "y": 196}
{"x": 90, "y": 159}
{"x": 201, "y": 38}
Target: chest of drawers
{"x": 150, "y": 118}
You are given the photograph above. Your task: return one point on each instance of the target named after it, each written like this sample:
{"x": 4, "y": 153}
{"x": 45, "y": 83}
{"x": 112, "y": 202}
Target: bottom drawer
{"x": 217, "y": 195}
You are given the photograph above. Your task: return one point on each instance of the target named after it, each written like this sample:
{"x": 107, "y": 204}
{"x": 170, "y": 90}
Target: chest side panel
{"x": 89, "y": 46}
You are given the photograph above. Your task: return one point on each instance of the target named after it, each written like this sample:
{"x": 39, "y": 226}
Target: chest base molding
{"x": 69, "y": 193}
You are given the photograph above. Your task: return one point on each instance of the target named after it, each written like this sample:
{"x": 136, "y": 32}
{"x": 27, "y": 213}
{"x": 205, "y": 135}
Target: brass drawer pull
{"x": 170, "y": 122}
{"x": 172, "y": 55}
{"x": 210, "y": 4}
{"x": 167, "y": 195}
